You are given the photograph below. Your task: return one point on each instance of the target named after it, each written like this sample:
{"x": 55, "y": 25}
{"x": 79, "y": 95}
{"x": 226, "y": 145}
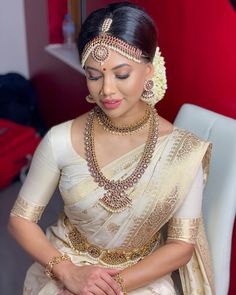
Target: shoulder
{"x": 189, "y": 148}
{"x": 183, "y": 135}
{"x": 67, "y": 127}
{"x": 60, "y": 128}
{"x": 77, "y": 131}
{"x": 55, "y": 140}
{"x": 165, "y": 127}
{"x": 187, "y": 137}
{"x": 178, "y": 135}
{"x": 79, "y": 123}
{"x": 187, "y": 145}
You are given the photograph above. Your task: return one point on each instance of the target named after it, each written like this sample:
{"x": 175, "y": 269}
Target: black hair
{"x": 130, "y": 23}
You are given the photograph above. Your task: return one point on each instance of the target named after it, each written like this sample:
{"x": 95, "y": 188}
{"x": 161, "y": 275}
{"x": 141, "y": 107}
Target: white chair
{"x": 219, "y": 203}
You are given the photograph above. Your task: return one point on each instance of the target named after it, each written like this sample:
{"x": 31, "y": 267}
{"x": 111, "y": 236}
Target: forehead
{"x": 115, "y": 59}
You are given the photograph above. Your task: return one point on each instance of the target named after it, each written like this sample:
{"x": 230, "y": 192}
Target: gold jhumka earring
{"x": 89, "y": 98}
{"x": 154, "y": 89}
{"x": 148, "y": 93}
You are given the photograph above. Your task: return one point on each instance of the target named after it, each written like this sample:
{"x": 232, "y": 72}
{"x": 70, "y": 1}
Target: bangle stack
{"x": 53, "y": 261}
{"x": 120, "y": 281}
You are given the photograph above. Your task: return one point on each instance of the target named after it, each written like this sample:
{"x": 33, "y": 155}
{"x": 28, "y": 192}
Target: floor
{"x": 13, "y": 260}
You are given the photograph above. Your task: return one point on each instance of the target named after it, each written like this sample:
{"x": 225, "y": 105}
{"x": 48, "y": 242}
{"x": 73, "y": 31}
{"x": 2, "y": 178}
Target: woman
{"x": 126, "y": 176}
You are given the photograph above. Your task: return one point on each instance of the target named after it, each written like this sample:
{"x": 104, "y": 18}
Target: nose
{"x": 108, "y": 87}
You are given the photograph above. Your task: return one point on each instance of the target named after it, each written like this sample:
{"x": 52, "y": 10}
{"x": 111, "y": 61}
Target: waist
{"x": 114, "y": 257}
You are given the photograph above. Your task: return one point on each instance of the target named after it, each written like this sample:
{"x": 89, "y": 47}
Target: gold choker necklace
{"x": 115, "y": 198}
{"x": 108, "y": 125}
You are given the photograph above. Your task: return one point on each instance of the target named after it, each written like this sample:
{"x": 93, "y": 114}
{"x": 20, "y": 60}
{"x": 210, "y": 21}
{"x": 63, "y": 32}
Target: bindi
{"x": 104, "y": 69}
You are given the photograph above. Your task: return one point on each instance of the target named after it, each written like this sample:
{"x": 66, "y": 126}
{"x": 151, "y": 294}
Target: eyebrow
{"x": 115, "y": 68}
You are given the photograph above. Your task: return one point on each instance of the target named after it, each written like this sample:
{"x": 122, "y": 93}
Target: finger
{"x": 62, "y": 292}
{"x": 106, "y": 288}
{"x": 111, "y": 282}
{"x": 65, "y": 292}
{"x": 97, "y": 290}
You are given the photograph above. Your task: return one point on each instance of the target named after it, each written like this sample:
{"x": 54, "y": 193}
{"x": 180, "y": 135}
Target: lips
{"x": 111, "y": 103}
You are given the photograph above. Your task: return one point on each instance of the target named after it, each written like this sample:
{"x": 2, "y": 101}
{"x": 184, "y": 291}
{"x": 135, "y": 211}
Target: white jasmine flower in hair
{"x": 159, "y": 78}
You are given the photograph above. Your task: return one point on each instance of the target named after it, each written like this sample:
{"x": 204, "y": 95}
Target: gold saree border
{"x": 27, "y": 210}
{"x": 167, "y": 196}
{"x": 184, "y": 229}
{"x": 186, "y": 154}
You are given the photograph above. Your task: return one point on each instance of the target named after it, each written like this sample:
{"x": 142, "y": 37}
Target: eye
{"x": 93, "y": 78}
{"x": 122, "y": 77}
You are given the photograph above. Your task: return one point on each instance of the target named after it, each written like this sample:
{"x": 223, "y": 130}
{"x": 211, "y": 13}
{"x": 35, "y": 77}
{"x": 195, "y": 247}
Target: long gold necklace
{"x": 115, "y": 198}
{"x": 109, "y": 126}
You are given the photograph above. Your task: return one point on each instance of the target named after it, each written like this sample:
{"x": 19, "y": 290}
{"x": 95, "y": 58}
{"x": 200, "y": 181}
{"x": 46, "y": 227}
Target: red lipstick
{"x": 111, "y": 104}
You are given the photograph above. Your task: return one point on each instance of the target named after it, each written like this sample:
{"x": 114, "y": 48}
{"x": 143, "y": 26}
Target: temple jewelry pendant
{"x": 115, "y": 201}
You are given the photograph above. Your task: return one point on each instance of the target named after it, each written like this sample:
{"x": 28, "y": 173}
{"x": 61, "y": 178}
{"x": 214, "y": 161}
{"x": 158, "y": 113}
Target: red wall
{"x": 198, "y": 40}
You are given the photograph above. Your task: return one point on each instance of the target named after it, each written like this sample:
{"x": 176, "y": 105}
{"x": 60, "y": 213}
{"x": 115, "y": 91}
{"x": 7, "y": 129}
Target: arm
{"x": 166, "y": 259}
{"x": 76, "y": 279}
{"x": 32, "y": 239}
{"x": 177, "y": 251}
{"x": 34, "y": 195}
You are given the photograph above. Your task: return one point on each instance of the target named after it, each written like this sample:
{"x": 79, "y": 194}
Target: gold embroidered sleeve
{"x": 27, "y": 210}
{"x": 184, "y": 229}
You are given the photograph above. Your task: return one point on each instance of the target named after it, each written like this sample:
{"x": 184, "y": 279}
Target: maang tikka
{"x": 101, "y": 52}
{"x": 99, "y": 46}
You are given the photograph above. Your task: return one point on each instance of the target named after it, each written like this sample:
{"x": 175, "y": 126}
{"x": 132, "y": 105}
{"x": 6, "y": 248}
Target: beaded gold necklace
{"x": 108, "y": 125}
{"x": 115, "y": 198}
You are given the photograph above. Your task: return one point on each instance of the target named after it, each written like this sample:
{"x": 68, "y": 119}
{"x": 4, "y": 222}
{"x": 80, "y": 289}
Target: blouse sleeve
{"x": 40, "y": 183}
{"x": 184, "y": 224}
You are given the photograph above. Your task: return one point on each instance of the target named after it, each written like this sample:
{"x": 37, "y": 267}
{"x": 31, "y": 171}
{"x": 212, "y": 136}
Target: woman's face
{"x": 116, "y": 86}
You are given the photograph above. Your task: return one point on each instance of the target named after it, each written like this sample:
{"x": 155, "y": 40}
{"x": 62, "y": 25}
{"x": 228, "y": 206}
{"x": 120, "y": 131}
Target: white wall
{"x": 13, "y": 45}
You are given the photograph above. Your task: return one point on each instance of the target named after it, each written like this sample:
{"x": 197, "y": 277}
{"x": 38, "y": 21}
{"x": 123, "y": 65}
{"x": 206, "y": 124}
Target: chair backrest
{"x": 219, "y": 203}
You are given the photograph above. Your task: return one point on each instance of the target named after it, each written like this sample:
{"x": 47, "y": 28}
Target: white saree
{"x": 86, "y": 231}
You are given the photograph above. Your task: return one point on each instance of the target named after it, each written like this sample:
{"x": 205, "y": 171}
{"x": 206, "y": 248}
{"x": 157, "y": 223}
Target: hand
{"x": 88, "y": 280}
{"x": 64, "y": 292}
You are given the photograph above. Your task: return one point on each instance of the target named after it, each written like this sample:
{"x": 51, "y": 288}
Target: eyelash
{"x": 93, "y": 78}
{"x": 123, "y": 77}
{"x": 118, "y": 77}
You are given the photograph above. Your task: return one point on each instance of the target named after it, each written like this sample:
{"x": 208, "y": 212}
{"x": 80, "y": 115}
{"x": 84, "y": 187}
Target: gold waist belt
{"x": 108, "y": 257}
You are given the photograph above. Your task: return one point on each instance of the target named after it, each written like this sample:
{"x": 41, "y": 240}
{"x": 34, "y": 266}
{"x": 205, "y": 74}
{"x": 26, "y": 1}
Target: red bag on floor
{"x": 17, "y": 145}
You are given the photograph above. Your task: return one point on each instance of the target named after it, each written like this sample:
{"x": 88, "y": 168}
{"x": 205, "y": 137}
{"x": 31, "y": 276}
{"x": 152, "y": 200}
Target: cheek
{"x": 93, "y": 87}
{"x": 133, "y": 85}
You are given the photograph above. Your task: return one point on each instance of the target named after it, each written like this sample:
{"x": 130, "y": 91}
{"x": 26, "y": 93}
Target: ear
{"x": 149, "y": 71}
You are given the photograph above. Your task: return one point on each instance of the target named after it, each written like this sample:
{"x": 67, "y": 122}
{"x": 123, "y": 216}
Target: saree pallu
{"x": 86, "y": 225}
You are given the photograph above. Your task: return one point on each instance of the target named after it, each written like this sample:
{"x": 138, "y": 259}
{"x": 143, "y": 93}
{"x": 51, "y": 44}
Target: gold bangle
{"x": 120, "y": 281}
{"x": 53, "y": 261}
